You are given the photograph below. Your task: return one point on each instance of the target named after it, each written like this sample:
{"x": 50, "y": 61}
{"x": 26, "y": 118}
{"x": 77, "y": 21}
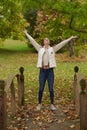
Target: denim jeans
{"x": 46, "y": 74}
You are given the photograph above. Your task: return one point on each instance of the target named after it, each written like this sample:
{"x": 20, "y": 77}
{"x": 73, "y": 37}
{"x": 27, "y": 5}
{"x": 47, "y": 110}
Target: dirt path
{"x": 59, "y": 123}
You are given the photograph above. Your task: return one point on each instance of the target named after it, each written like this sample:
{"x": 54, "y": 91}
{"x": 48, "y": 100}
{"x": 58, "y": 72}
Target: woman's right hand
{"x": 74, "y": 37}
{"x": 24, "y": 30}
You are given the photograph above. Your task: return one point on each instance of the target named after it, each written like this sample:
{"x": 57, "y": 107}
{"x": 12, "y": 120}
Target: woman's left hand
{"x": 74, "y": 37}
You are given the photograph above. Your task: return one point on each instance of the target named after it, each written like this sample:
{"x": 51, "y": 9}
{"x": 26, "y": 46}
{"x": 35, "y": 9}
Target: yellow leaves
{"x": 61, "y": 120}
{"x": 72, "y": 126}
{"x": 40, "y": 123}
{"x": 85, "y": 47}
{"x": 37, "y": 118}
{"x": 63, "y": 21}
{"x": 40, "y": 13}
{"x": 65, "y": 111}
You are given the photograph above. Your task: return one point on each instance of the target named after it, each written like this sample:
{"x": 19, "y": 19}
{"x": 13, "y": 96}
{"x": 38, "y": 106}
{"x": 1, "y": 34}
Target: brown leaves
{"x": 40, "y": 119}
{"x": 44, "y": 118}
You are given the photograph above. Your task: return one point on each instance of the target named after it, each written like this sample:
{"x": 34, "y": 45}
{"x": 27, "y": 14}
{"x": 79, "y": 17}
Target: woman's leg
{"x": 42, "y": 80}
{"x": 50, "y": 79}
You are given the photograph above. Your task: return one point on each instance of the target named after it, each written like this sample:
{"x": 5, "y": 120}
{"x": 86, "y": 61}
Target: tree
{"x": 30, "y": 11}
{"x": 61, "y": 19}
{"x": 12, "y": 23}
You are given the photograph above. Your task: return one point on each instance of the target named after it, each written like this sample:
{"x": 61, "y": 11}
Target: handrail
{"x": 80, "y": 97}
{"x": 9, "y": 85}
{"x": 9, "y": 81}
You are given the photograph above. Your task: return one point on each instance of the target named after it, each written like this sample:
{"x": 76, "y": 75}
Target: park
{"x": 19, "y": 74}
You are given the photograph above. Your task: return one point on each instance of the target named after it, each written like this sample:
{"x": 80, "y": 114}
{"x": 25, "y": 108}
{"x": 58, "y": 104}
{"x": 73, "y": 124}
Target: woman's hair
{"x": 42, "y": 42}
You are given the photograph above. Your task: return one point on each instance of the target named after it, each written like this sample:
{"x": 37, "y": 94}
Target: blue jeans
{"x": 46, "y": 74}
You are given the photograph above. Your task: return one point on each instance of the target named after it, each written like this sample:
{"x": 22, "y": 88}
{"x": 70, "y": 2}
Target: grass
{"x": 15, "y": 45}
{"x": 15, "y": 54}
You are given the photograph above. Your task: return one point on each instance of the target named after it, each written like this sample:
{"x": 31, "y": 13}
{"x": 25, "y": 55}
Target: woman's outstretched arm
{"x": 33, "y": 42}
{"x": 63, "y": 43}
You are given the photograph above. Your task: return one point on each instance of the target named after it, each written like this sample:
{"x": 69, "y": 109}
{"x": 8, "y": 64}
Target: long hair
{"x": 42, "y": 43}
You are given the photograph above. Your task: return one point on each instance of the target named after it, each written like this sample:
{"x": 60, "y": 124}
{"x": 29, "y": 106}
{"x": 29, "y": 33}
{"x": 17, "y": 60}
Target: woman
{"x": 46, "y": 63}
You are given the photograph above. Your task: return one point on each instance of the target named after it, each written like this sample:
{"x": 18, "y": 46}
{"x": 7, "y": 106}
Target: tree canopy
{"x": 60, "y": 19}
{"x": 12, "y": 22}
{"x": 54, "y": 19}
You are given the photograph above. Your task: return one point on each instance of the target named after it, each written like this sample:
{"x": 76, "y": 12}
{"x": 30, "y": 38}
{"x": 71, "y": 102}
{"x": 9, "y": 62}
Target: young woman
{"x": 46, "y": 63}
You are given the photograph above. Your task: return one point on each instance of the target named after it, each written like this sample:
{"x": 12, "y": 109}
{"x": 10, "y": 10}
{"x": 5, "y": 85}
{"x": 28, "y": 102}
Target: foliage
{"x": 61, "y": 19}
{"x": 30, "y": 11}
{"x": 31, "y": 15}
{"x": 12, "y": 23}
{"x": 57, "y": 20}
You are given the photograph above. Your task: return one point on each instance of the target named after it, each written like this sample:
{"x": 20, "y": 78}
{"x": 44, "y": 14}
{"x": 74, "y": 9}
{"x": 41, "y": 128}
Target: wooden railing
{"x": 4, "y": 88}
{"x": 80, "y": 97}
{"x": 3, "y": 114}
{"x": 83, "y": 105}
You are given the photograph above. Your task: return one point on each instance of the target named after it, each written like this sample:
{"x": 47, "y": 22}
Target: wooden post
{"x": 76, "y": 69}
{"x": 86, "y": 84}
{"x": 71, "y": 48}
{"x": 77, "y": 89}
{"x": 3, "y": 114}
{"x": 20, "y": 79}
{"x": 83, "y": 106}
{"x": 13, "y": 106}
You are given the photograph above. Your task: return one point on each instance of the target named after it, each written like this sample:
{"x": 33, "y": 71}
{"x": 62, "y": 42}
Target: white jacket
{"x": 52, "y": 61}
{"x": 51, "y": 50}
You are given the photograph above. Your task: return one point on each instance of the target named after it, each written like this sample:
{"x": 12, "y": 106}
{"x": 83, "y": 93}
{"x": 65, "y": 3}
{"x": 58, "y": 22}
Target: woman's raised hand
{"x": 24, "y": 30}
{"x": 74, "y": 37}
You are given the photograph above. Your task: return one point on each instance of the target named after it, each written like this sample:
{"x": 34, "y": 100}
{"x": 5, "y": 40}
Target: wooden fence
{"x": 80, "y": 97}
{"x": 4, "y": 88}
{"x": 3, "y": 114}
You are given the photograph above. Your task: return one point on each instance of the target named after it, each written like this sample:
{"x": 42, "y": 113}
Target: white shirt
{"x": 45, "y": 58}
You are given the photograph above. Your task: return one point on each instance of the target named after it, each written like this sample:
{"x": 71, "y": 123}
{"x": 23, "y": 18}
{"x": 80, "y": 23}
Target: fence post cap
{"x": 2, "y": 84}
{"x": 83, "y": 85}
{"x": 76, "y": 69}
{"x": 21, "y": 69}
{"x": 2, "y": 81}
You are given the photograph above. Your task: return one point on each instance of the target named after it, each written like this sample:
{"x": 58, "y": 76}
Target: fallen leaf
{"x": 72, "y": 126}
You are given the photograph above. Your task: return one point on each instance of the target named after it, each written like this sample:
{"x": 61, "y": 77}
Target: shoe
{"x": 39, "y": 107}
{"x": 52, "y": 107}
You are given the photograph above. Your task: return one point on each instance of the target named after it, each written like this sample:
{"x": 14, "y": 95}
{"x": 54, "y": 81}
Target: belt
{"x": 45, "y": 67}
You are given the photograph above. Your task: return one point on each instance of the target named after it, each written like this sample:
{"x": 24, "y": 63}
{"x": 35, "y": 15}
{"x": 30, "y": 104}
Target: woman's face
{"x": 46, "y": 41}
